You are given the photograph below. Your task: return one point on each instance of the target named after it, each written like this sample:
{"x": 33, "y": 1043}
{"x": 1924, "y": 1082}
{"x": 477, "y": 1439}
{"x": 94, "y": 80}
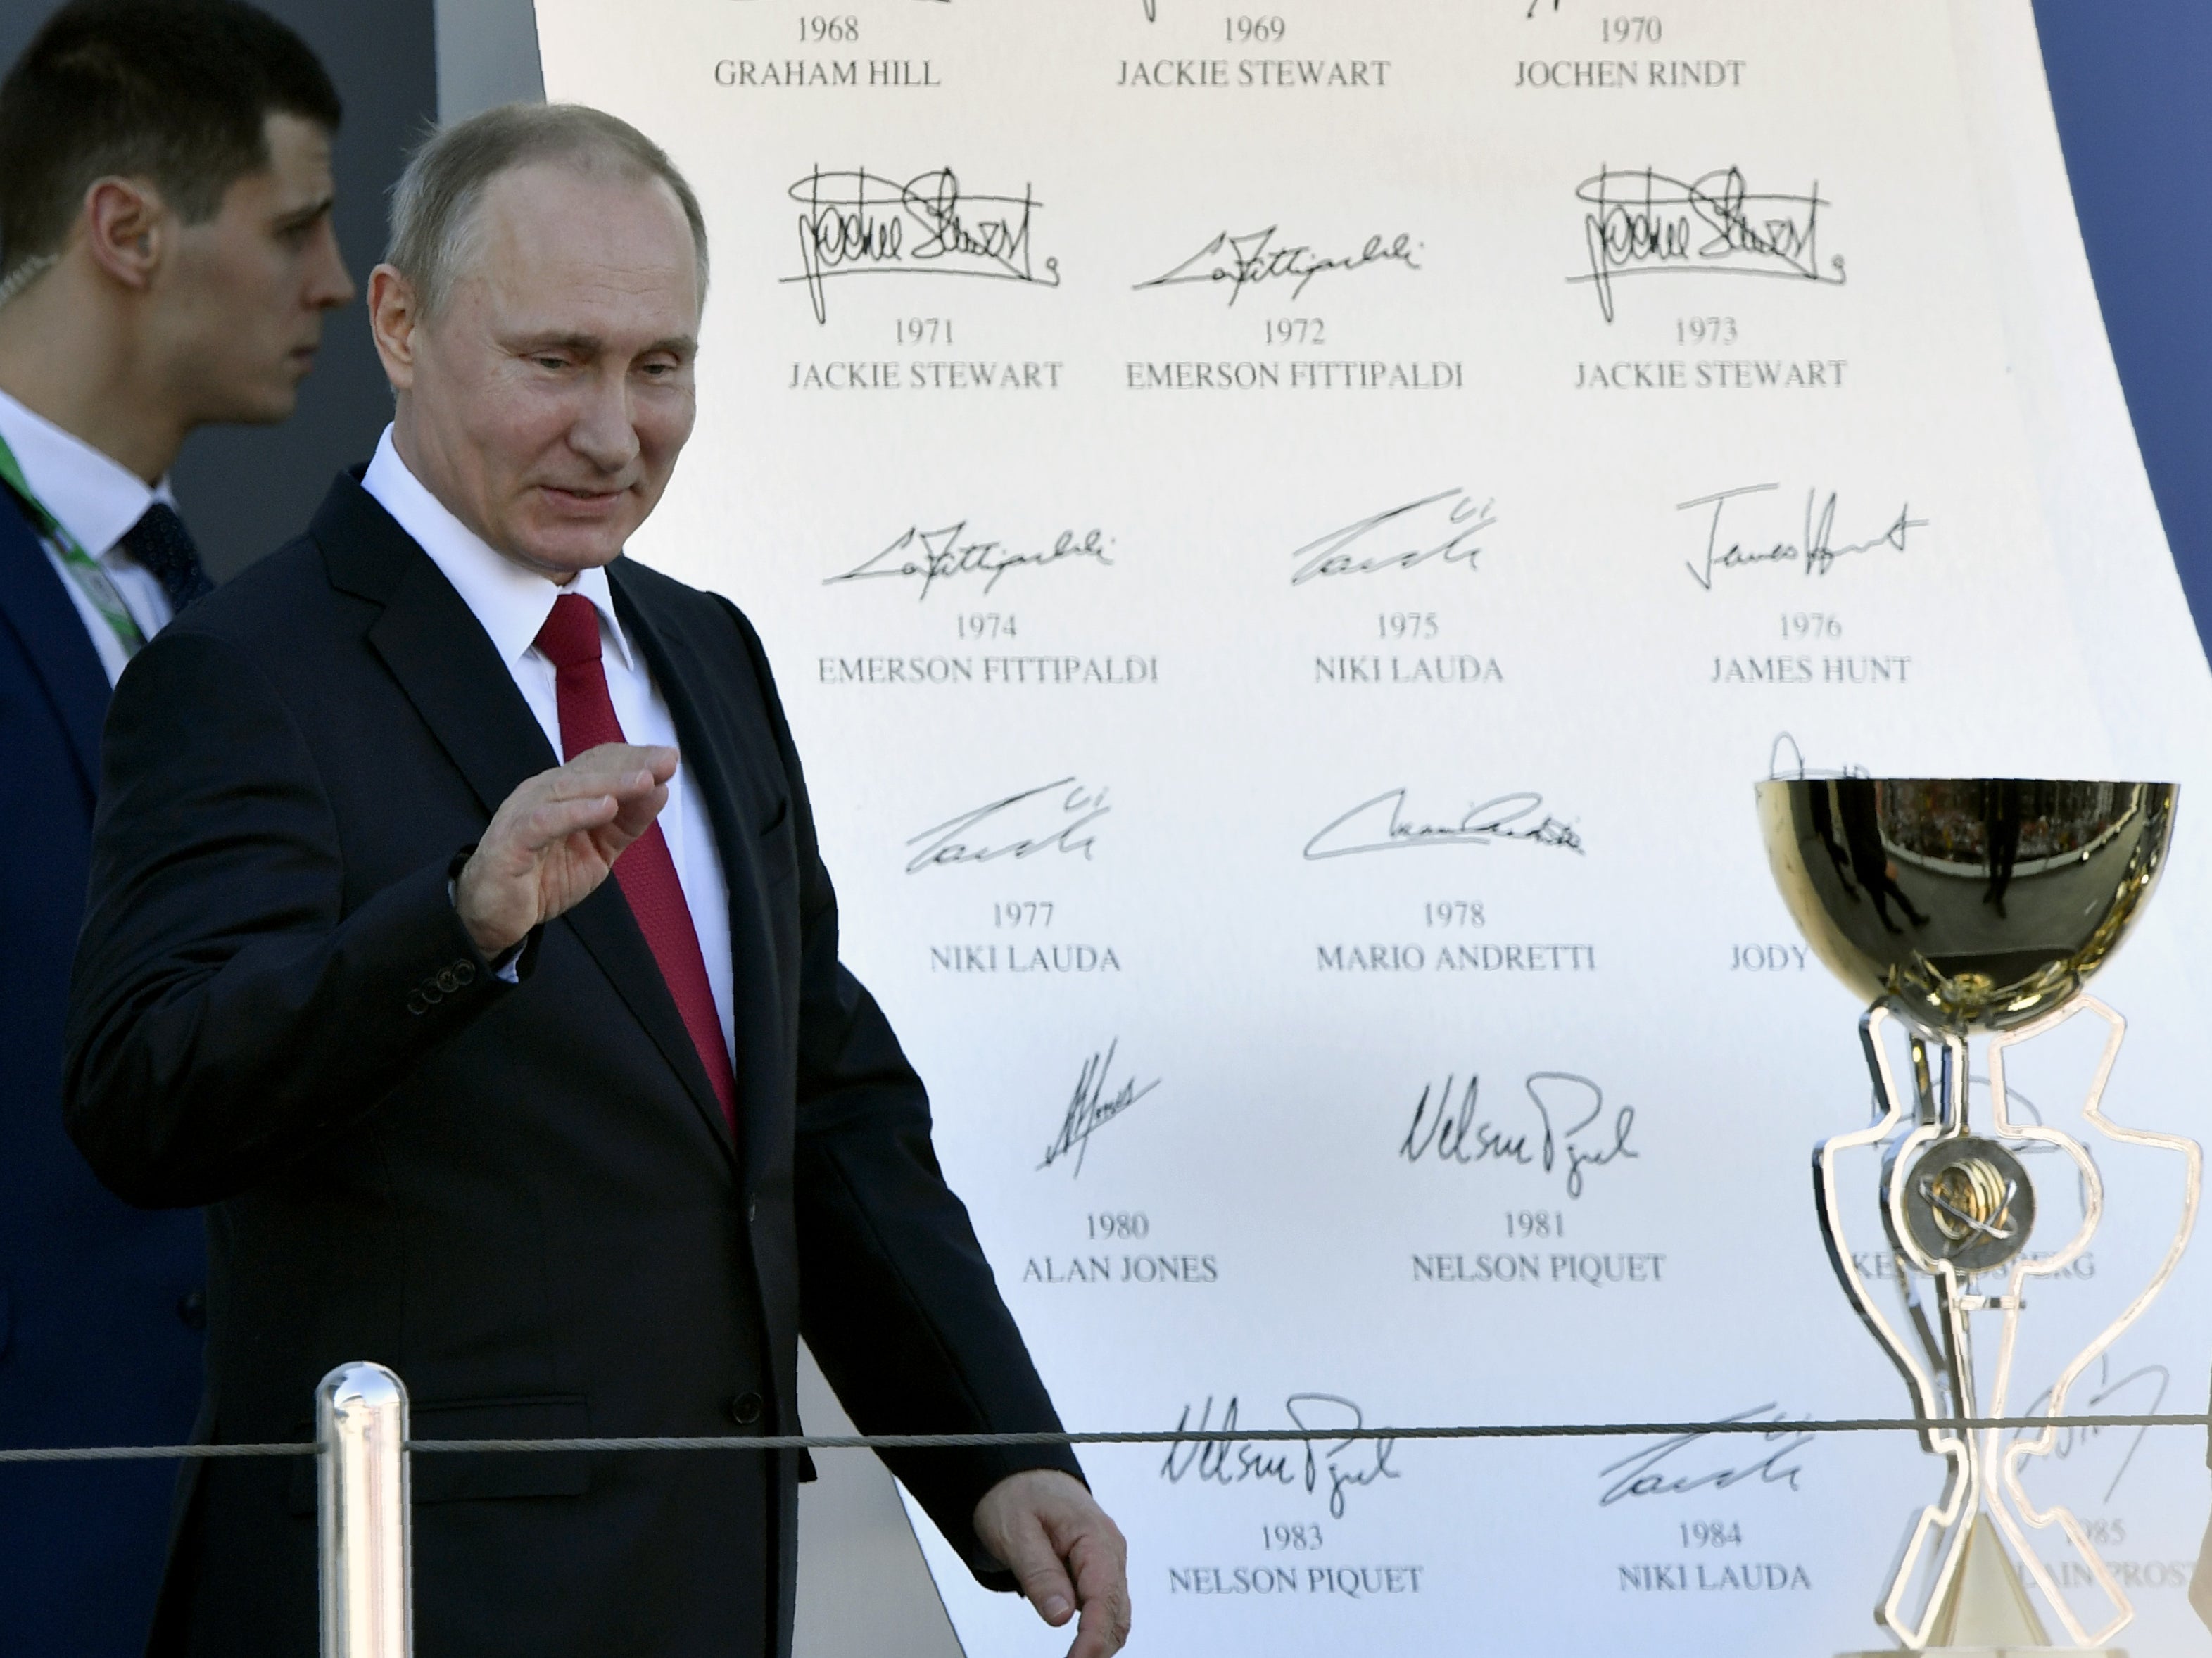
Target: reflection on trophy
{"x": 1958, "y": 908}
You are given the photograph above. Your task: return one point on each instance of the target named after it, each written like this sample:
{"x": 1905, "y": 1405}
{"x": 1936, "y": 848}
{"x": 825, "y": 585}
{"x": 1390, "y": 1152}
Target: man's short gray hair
{"x": 434, "y": 205}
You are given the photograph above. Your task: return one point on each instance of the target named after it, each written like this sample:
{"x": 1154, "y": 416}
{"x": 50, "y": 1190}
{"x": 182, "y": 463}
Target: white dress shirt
{"x": 510, "y": 603}
{"x": 96, "y": 499}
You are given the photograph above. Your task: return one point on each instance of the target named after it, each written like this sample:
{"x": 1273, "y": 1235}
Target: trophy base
{"x": 1994, "y": 1652}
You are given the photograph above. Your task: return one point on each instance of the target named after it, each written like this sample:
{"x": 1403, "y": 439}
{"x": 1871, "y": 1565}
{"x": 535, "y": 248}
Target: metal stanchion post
{"x": 367, "y": 1591}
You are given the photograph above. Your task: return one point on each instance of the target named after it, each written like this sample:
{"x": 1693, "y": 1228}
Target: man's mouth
{"x": 579, "y": 500}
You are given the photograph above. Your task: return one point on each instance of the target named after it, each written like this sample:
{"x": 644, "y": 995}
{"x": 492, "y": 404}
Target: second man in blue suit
{"x": 165, "y": 262}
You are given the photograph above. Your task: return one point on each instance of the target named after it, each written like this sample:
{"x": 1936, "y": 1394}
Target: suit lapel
{"x": 607, "y": 929}
{"x": 682, "y": 671}
{"x": 38, "y": 609}
{"x": 445, "y": 662}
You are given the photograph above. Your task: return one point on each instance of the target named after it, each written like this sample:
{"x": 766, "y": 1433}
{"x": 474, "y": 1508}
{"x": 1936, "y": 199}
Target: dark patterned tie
{"x": 159, "y": 541}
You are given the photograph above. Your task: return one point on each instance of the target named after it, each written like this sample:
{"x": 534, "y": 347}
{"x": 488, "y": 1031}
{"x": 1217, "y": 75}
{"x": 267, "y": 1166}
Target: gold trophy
{"x": 1965, "y": 908}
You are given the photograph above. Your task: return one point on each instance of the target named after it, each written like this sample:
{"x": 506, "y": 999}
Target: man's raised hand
{"x": 557, "y": 837}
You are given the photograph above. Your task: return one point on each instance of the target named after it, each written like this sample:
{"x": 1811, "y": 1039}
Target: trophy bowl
{"x": 1971, "y": 904}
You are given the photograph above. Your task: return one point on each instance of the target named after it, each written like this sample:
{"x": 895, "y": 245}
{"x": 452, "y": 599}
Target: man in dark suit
{"x": 576, "y": 1156}
{"x": 166, "y": 256}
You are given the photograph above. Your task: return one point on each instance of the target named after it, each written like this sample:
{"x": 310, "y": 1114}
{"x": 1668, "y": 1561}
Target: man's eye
{"x": 556, "y": 363}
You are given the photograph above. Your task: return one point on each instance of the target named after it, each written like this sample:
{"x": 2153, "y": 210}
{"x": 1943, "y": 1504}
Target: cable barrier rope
{"x": 1767, "y": 1428}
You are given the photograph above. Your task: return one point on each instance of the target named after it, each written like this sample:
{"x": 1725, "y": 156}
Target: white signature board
{"x": 1287, "y": 535}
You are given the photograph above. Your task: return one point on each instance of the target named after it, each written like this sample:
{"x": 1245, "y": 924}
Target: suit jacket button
{"x": 191, "y": 1308}
{"x": 745, "y": 1408}
{"x": 752, "y": 1210}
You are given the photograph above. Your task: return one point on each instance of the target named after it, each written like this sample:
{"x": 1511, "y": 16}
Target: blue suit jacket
{"x": 100, "y": 1304}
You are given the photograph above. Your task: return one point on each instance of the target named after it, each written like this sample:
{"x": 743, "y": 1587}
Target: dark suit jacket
{"x": 523, "y": 1199}
{"x": 100, "y": 1304}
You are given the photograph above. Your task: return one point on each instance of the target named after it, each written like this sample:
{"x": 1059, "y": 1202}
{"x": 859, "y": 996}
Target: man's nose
{"x": 604, "y": 433}
{"x": 329, "y": 284}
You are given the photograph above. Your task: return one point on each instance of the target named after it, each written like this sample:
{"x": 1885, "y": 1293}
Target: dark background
{"x": 2127, "y": 79}
{"x": 245, "y": 489}
{"x": 2128, "y": 83}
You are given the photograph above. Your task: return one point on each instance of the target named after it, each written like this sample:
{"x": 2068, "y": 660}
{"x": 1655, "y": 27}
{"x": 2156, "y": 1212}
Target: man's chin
{"x": 559, "y": 557}
{"x": 268, "y": 405}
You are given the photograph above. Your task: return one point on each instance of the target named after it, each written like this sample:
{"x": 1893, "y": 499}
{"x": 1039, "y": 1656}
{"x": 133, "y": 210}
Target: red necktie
{"x": 645, "y": 871}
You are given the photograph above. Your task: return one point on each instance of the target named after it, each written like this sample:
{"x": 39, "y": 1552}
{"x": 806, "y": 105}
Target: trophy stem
{"x": 1932, "y": 1103}
{"x": 1940, "y": 1522}
{"x": 1958, "y": 1205}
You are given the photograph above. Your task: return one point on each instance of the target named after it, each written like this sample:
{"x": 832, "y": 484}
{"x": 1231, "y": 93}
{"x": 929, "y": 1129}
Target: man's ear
{"x": 128, "y": 229}
{"x": 394, "y": 315}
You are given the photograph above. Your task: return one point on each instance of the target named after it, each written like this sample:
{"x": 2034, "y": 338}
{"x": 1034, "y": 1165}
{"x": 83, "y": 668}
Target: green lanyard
{"x": 83, "y": 569}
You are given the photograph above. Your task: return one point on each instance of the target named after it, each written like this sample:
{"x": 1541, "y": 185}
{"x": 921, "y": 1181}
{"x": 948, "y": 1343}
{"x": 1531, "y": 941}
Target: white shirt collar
{"x": 510, "y": 602}
{"x": 91, "y": 495}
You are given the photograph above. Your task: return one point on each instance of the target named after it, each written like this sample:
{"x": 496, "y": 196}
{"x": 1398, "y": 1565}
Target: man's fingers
{"x": 557, "y": 820}
{"x": 655, "y": 757}
{"x": 1042, "y": 1524}
{"x": 1045, "y": 1588}
{"x": 1103, "y": 1631}
{"x": 1036, "y": 1568}
{"x": 637, "y": 793}
{"x": 1100, "y": 1559}
{"x": 526, "y": 871}
{"x": 626, "y": 782}
{"x": 635, "y": 812}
